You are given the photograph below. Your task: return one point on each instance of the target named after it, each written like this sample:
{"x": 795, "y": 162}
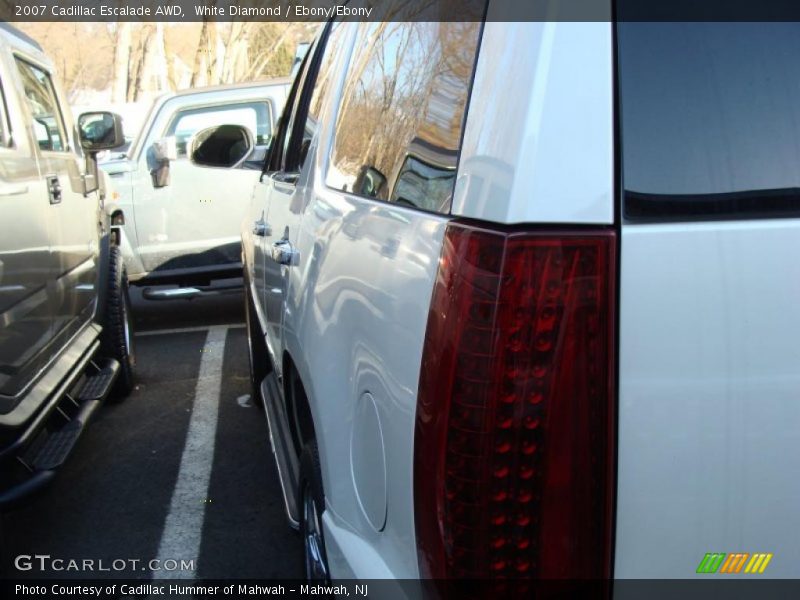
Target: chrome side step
{"x": 188, "y": 293}
{"x": 282, "y": 448}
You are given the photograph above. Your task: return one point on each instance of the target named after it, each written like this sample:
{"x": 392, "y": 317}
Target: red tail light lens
{"x": 514, "y": 436}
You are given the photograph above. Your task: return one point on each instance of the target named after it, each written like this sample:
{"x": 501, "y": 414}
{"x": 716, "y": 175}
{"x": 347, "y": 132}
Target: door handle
{"x": 54, "y": 189}
{"x": 284, "y": 253}
{"x": 14, "y": 190}
{"x": 261, "y": 228}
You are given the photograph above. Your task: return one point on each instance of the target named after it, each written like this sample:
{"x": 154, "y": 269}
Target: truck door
{"x": 74, "y": 218}
{"x": 26, "y": 264}
{"x": 195, "y": 220}
{"x": 709, "y": 396}
{"x": 285, "y": 185}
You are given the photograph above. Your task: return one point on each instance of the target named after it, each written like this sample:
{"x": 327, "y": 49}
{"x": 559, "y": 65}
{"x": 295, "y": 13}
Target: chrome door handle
{"x": 54, "y": 189}
{"x": 261, "y": 228}
{"x": 284, "y": 253}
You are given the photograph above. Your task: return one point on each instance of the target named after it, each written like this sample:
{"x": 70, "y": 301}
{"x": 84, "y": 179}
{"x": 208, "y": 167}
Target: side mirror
{"x": 370, "y": 182}
{"x": 100, "y": 131}
{"x": 222, "y": 146}
{"x": 164, "y": 151}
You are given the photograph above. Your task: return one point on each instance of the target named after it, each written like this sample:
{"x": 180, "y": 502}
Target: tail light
{"x": 513, "y": 471}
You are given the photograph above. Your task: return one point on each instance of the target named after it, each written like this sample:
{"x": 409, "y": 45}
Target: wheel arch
{"x": 298, "y": 406}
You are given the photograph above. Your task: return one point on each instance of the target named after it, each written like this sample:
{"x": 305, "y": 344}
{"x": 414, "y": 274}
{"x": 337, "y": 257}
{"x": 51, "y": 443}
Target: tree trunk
{"x": 122, "y": 56}
{"x": 202, "y": 47}
{"x": 145, "y": 70}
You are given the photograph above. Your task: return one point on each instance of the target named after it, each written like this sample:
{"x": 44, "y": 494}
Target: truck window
{"x": 402, "y": 112}
{"x": 710, "y": 120}
{"x": 48, "y": 126}
{"x": 256, "y": 116}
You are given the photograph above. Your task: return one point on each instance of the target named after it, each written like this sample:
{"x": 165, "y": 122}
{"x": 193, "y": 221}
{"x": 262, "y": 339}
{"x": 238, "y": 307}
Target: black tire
{"x": 260, "y": 366}
{"x": 117, "y": 341}
{"x": 5, "y": 570}
{"x": 312, "y": 504}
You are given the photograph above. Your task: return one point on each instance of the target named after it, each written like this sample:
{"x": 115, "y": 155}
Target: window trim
{"x": 67, "y": 148}
{"x": 6, "y": 137}
{"x": 288, "y": 150}
{"x": 267, "y": 101}
{"x": 274, "y": 161}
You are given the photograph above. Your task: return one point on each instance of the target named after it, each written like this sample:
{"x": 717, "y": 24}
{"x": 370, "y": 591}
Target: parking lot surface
{"x": 181, "y": 470}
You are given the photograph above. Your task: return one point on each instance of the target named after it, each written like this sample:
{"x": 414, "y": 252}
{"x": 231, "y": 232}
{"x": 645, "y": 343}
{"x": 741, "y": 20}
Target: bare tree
{"x": 122, "y": 57}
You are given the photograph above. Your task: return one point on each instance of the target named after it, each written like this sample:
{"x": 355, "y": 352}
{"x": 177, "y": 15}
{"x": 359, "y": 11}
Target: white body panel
{"x": 361, "y": 298}
{"x": 708, "y": 400}
{"x": 542, "y": 151}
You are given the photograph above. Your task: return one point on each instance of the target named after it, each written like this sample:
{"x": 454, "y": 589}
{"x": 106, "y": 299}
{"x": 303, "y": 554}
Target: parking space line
{"x": 186, "y": 329}
{"x": 183, "y": 527}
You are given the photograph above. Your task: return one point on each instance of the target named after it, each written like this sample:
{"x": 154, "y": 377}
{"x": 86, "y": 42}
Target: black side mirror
{"x": 225, "y": 146}
{"x": 100, "y": 131}
{"x": 370, "y": 183}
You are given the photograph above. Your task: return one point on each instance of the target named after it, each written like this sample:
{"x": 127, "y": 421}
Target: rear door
{"x": 282, "y": 190}
{"x": 709, "y": 398}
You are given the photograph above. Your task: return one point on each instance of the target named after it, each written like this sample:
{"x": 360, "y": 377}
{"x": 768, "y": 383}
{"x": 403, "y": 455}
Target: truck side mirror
{"x": 97, "y": 131}
{"x": 100, "y": 131}
{"x": 164, "y": 151}
{"x": 222, "y": 146}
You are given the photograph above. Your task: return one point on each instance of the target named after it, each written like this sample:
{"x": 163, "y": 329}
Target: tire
{"x": 312, "y": 505}
{"x": 117, "y": 340}
{"x": 256, "y": 352}
{"x": 5, "y": 557}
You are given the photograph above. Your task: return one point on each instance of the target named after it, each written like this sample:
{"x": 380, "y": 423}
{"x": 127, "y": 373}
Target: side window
{"x": 308, "y": 96}
{"x": 253, "y": 115}
{"x": 322, "y": 85}
{"x": 48, "y": 126}
{"x": 398, "y": 132}
{"x": 276, "y": 159}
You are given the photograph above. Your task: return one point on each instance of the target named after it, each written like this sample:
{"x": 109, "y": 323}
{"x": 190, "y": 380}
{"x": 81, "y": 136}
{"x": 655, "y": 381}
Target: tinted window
{"x": 710, "y": 116}
{"x": 255, "y": 116}
{"x": 399, "y": 126}
{"x": 48, "y": 127}
{"x": 322, "y": 86}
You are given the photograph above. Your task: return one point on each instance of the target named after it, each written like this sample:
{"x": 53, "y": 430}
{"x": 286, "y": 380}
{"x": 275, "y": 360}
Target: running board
{"x": 50, "y": 439}
{"x": 189, "y": 293}
{"x": 282, "y": 447}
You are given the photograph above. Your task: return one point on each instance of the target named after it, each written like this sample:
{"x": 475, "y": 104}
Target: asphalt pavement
{"x": 180, "y": 470}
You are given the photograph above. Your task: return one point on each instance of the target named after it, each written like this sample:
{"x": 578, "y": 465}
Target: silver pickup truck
{"x": 180, "y": 219}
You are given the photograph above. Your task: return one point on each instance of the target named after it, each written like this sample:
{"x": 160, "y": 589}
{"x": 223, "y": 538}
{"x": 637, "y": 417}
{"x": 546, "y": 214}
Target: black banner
{"x": 406, "y": 10}
{"x": 408, "y": 589}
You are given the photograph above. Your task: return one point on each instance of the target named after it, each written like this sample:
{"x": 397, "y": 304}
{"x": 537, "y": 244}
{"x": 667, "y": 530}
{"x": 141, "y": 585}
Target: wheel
{"x": 259, "y": 361}
{"x": 312, "y": 505}
{"x": 117, "y": 339}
